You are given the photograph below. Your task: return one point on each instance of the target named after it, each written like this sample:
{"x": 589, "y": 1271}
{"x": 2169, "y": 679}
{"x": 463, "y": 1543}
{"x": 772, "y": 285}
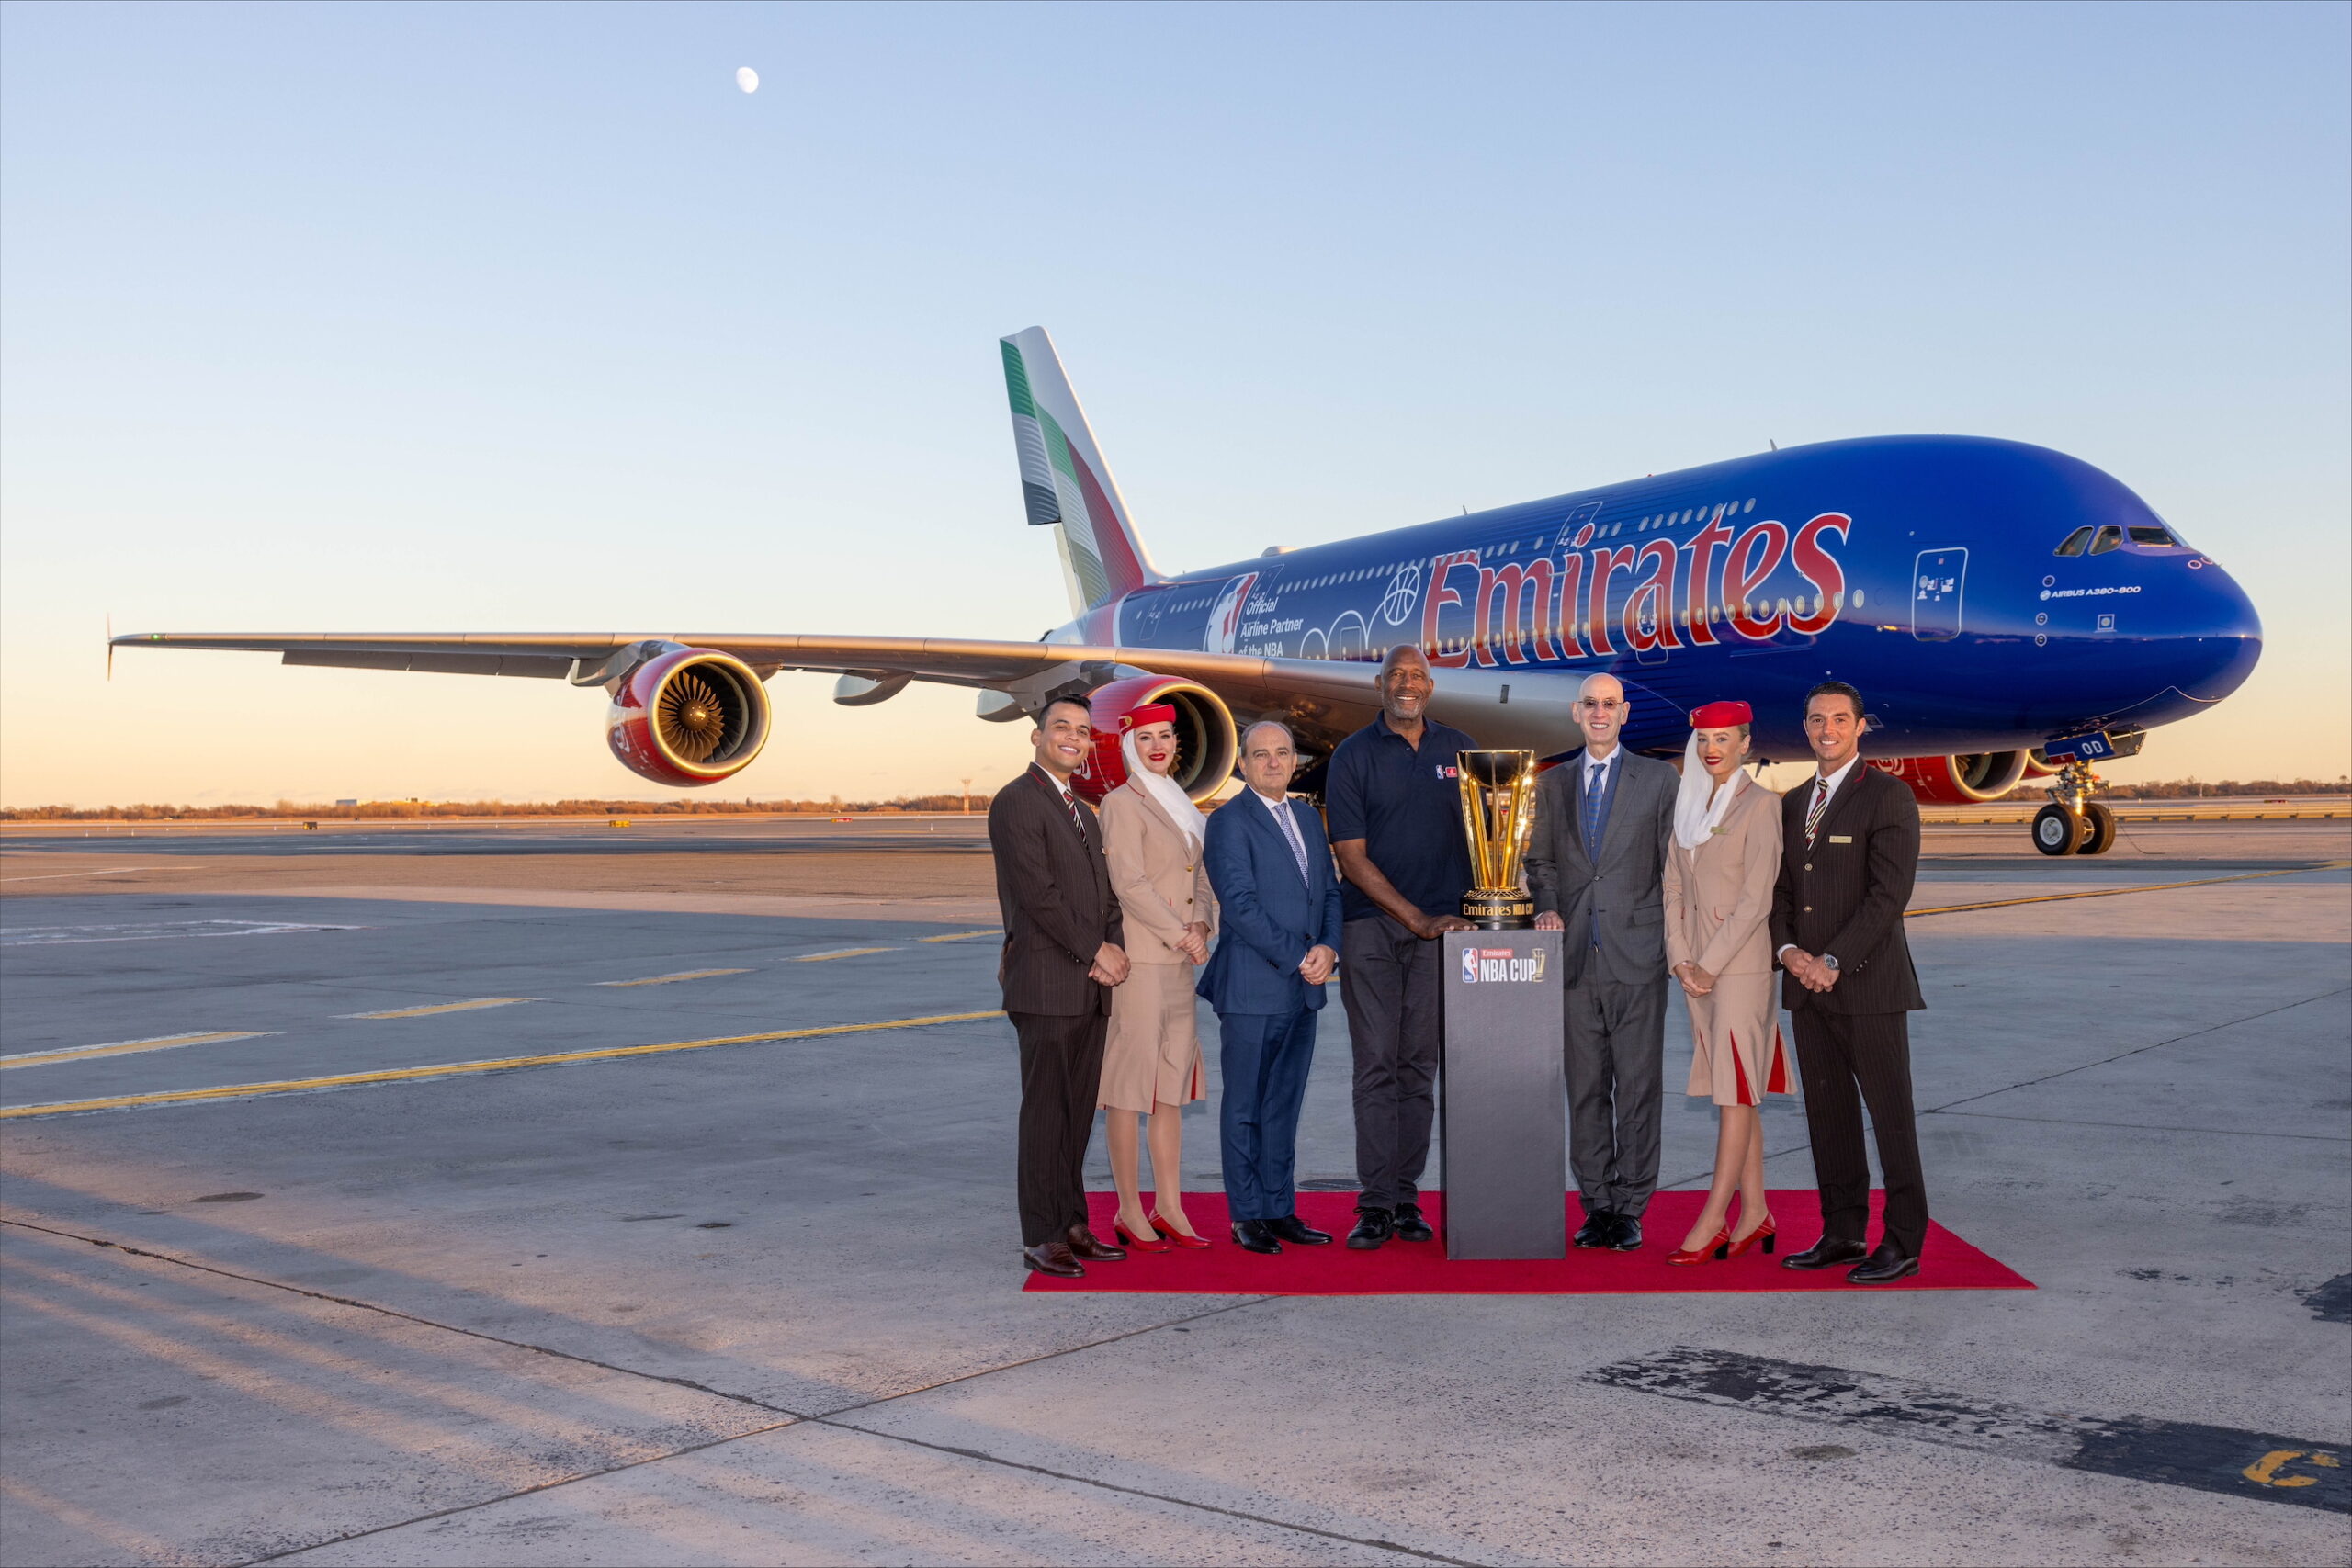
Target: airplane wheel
{"x": 2056, "y": 830}
{"x": 2098, "y": 830}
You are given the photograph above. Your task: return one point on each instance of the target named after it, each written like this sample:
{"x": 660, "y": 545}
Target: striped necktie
{"x": 1596, "y": 789}
{"x": 1813, "y": 812}
{"x": 1076, "y": 820}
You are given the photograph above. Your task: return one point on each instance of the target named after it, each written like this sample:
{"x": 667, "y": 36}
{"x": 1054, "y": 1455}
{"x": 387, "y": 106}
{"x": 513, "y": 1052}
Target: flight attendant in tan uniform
{"x": 1151, "y": 1067}
{"x": 1720, "y": 872}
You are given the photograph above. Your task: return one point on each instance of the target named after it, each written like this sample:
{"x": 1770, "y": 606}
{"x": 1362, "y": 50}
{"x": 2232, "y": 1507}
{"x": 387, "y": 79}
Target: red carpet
{"x": 1404, "y": 1268}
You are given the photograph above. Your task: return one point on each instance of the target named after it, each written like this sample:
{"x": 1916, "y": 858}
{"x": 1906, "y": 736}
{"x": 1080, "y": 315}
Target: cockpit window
{"x": 2109, "y": 537}
{"x": 2073, "y": 543}
{"x": 2145, "y": 533}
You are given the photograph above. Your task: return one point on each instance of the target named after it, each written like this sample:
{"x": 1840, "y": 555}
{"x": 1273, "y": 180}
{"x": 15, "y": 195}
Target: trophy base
{"x": 1505, "y": 911}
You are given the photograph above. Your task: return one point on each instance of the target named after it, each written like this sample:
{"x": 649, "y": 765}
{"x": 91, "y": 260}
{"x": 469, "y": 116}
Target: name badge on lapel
{"x": 1841, "y": 838}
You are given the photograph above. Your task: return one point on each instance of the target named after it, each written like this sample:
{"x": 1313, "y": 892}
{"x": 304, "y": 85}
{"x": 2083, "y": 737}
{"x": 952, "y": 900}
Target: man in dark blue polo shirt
{"x": 1394, "y": 813}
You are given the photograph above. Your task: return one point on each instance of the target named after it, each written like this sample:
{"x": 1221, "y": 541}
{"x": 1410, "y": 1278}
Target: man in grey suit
{"x": 1597, "y": 868}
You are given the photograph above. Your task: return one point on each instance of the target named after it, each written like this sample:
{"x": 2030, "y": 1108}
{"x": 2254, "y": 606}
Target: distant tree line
{"x": 394, "y": 809}
{"x": 2167, "y": 789}
{"x": 2192, "y": 789}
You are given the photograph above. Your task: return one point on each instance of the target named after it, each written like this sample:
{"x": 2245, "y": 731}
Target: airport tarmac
{"x": 753, "y": 1297}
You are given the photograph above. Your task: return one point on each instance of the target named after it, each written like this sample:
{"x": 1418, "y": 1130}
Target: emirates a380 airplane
{"x": 2007, "y": 610}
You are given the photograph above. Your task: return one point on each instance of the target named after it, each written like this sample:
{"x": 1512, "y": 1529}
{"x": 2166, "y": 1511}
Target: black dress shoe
{"x": 1411, "y": 1226}
{"x": 1251, "y": 1235}
{"x": 1085, "y": 1245}
{"x": 1628, "y": 1238}
{"x": 1372, "y": 1227}
{"x": 1052, "y": 1257}
{"x": 1885, "y": 1266}
{"x": 1827, "y": 1253}
{"x": 1290, "y": 1227}
{"x": 1598, "y": 1229}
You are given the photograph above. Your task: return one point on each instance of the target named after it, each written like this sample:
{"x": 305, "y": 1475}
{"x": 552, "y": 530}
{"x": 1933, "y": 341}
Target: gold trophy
{"x": 1498, "y": 814}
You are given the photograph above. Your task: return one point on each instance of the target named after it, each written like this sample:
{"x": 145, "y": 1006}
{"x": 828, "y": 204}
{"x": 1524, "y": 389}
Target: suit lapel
{"x": 1576, "y": 809}
{"x": 1075, "y": 821}
{"x": 1843, "y": 798}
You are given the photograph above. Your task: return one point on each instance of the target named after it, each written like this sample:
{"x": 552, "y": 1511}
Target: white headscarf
{"x": 1695, "y": 820}
{"x": 1165, "y": 792}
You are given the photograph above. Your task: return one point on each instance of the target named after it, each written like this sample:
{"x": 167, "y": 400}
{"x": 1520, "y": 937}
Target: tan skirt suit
{"x": 1153, "y": 1054}
{"x": 1718, "y": 903}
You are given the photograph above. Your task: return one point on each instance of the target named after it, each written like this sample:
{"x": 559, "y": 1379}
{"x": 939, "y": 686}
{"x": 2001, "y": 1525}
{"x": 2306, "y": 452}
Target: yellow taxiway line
{"x": 124, "y": 1047}
{"x": 838, "y": 952}
{"x": 2112, "y": 892}
{"x": 443, "y": 1007}
{"x": 963, "y": 936}
{"x": 502, "y": 1064}
{"x": 674, "y": 979}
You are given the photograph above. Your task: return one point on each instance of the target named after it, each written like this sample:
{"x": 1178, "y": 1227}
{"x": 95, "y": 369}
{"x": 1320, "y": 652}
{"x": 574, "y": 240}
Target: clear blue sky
{"x": 358, "y": 317}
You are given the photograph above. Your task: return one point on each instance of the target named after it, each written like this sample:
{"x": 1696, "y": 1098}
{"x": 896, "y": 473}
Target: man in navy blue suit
{"x": 1278, "y": 897}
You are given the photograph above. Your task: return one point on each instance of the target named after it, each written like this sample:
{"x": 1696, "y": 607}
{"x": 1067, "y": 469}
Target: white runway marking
{"x": 124, "y": 1047}
{"x": 673, "y": 979}
{"x": 443, "y": 1007}
{"x": 156, "y": 931}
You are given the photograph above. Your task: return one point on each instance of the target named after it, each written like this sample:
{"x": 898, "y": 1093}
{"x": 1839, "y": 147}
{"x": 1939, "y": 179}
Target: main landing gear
{"x": 2073, "y": 823}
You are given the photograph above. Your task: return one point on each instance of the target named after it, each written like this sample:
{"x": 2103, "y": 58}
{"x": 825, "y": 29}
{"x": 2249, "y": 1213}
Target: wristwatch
{"x": 1829, "y": 960}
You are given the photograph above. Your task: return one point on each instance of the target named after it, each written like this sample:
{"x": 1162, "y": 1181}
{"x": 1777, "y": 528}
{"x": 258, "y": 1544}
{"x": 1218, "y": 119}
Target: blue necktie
{"x": 1595, "y": 792}
{"x": 1297, "y": 845}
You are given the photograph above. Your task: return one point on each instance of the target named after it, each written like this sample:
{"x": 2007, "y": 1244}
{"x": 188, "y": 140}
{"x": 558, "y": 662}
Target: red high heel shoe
{"x": 1764, "y": 1232}
{"x": 1121, "y": 1233}
{"x": 1169, "y": 1233}
{"x": 1714, "y": 1248}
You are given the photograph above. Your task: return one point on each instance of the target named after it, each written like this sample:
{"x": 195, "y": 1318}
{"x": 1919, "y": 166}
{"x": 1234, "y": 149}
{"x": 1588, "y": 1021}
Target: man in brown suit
{"x": 1062, "y": 956}
{"x": 1849, "y": 852}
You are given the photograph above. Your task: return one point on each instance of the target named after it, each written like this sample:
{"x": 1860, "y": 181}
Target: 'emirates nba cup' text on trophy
{"x": 1499, "y": 815}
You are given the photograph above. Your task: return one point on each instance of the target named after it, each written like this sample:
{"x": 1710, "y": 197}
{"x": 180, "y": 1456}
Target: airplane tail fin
{"x": 1064, "y": 480}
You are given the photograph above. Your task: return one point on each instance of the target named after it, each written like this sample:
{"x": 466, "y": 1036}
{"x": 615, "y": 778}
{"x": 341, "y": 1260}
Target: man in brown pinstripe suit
{"x": 1849, "y": 852}
{"x": 1062, "y": 955}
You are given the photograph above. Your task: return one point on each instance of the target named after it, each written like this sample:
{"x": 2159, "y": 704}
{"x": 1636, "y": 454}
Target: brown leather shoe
{"x": 1084, "y": 1244}
{"x": 1052, "y": 1257}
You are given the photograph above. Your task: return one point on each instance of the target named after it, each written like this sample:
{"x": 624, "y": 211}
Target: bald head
{"x": 1601, "y": 711}
{"x": 1405, "y": 688}
{"x": 1269, "y": 758}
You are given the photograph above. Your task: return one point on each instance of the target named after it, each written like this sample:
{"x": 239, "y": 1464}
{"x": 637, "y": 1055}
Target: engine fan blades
{"x": 691, "y": 716}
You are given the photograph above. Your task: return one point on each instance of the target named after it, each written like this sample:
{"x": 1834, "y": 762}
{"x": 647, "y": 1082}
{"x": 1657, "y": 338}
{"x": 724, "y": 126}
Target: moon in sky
{"x": 747, "y": 79}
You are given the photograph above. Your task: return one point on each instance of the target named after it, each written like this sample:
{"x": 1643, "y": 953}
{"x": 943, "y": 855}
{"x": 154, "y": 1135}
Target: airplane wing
{"x": 1341, "y": 692}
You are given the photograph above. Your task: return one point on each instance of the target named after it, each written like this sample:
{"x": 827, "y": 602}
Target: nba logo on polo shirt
{"x": 1446, "y": 772}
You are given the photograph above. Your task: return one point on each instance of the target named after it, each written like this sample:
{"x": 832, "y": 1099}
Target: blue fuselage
{"x": 1927, "y": 570}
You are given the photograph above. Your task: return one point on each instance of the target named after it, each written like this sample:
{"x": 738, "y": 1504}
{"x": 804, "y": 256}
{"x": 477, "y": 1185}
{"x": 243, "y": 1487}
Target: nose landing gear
{"x": 2073, "y": 823}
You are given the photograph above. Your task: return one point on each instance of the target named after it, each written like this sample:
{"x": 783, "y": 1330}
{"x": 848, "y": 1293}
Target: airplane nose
{"x": 2221, "y": 637}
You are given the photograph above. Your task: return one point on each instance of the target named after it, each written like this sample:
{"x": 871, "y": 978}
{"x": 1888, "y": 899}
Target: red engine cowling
{"x": 1956, "y": 780}
{"x": 693, "y": 715}
{"x": 1206, "y": 743}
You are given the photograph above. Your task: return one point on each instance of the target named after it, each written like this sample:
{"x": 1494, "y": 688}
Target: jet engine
{"x": 690, "y": 716}
{"x": 1955, "y": 781}
{"x": 1206, "y": 743}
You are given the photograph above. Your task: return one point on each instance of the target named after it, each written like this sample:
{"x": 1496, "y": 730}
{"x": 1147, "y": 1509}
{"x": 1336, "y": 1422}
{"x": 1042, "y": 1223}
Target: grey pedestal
{"x": 1505, "y": 1099}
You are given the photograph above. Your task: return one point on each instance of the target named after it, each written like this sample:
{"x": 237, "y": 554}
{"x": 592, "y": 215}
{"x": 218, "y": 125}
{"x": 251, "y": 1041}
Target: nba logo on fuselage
{"x": 1225, "y": 619}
